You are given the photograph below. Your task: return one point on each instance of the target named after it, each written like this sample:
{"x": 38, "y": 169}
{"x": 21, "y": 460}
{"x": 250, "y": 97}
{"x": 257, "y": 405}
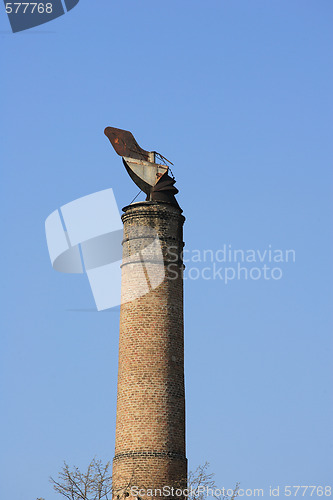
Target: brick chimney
{"x": 150, "y": 428}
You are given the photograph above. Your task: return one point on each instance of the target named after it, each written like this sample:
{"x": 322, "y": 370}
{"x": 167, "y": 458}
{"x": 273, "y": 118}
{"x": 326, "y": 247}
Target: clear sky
{"x": 238, "y": 95}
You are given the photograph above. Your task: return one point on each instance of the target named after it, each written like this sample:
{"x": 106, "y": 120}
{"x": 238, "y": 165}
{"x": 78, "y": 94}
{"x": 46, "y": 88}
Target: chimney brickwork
{"x": 150, "y": 428}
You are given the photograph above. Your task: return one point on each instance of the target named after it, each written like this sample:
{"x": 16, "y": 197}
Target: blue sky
{"x": 238, "y": 95}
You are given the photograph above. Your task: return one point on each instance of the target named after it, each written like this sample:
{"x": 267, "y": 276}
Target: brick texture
{"x": 150, "y": 428}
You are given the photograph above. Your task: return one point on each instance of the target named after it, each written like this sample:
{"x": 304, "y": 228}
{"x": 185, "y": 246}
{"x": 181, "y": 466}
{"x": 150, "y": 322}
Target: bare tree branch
{"x": 96, "y": 484}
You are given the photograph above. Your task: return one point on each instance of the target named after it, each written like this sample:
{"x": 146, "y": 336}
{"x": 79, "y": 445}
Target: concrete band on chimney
{"x": 150, "y": 428}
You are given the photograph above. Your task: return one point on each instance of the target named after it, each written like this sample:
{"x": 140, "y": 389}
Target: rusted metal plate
{"x": 125, "y": 144}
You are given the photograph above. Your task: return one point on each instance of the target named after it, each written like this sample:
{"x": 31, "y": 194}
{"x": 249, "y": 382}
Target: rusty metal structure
{"x": 151, "y": 177}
